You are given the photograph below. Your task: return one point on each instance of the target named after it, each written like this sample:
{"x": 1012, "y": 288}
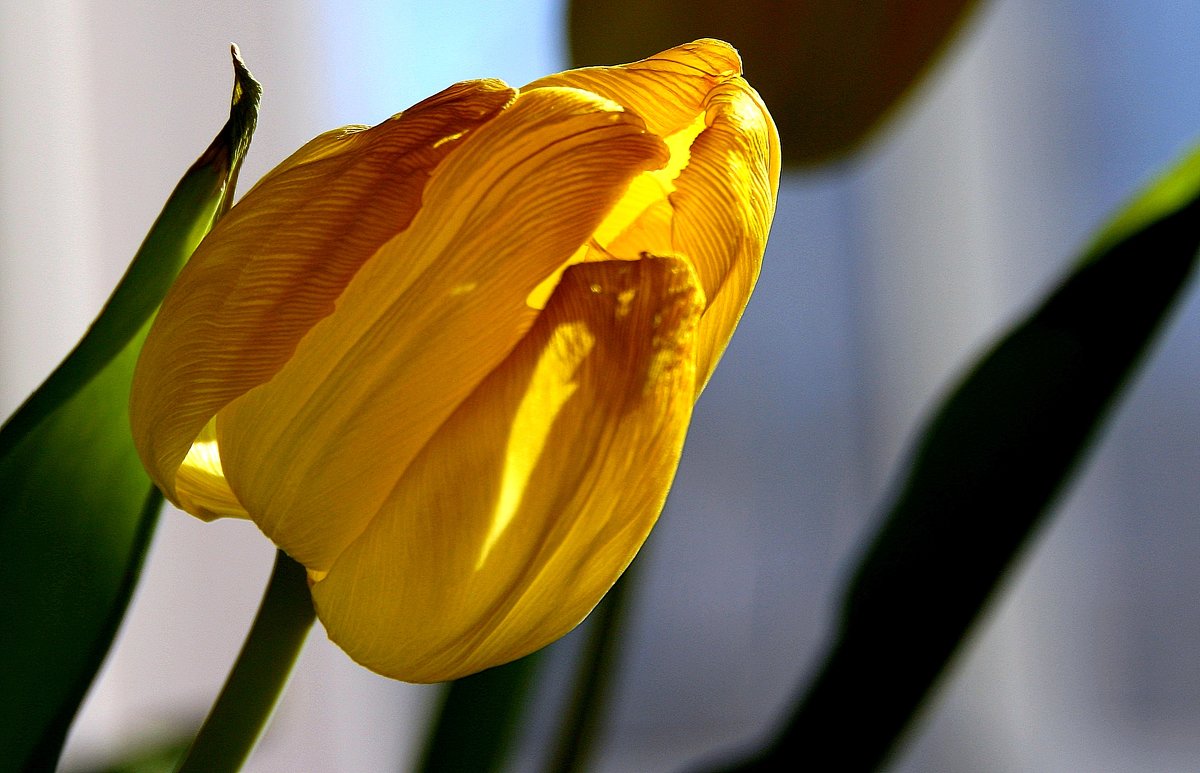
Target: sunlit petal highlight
{"x": 528, "y": 504}
{"x": 427, "y": 318}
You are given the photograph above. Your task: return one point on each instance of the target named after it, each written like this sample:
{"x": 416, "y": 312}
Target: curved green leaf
{"x": 986, "y": 470}
{"x": 829, "y": 70}
{"x": 78, "y": 508}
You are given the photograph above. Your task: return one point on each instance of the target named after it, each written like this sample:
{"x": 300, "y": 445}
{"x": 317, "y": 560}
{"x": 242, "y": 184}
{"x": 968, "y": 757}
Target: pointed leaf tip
{"x": 244, "y": 82}
{"x": 79, "y": 510}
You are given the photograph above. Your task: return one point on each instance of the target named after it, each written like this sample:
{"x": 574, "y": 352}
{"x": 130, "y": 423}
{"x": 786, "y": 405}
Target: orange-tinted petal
{"x": 536, "y": 493}
{"x": 313, "y": 453}
{"x": 276, "y": 263}
{"x": 667, "y": 90}
{"x": 723, "y": 204}
{"x": 718, "y": 210}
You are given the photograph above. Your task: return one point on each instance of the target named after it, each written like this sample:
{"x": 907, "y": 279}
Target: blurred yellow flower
{"x": 447, "y": 363}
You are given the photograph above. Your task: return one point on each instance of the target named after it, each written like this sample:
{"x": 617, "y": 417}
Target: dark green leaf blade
{"x": 989, "y": 465}
{"x": 830, "y": 71}
{"x": 581, "y": 727}
{"x": 479, "y": 719}
{"x": 78, "y": 508}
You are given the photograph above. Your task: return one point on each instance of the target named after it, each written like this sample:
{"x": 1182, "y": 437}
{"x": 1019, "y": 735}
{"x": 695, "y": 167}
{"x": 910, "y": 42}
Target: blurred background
{"x": 884, "y": 277}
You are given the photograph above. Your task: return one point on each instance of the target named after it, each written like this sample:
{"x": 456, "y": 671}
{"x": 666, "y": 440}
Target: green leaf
{"x": 160, "y": 756}
{"x": 830, "y": 71}
{"x": 986, "y": 470}
{"x": 78, "y": 508}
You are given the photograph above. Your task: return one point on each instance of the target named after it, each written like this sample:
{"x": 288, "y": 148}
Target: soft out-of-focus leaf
{"x": 582, "y": 724}
{"x": 78, "y": 509}
{"x": 479, "y": 718}
{"x": 160, "y": 756}
{"x": 829, "y": 70}
{"x": 986, "y": 469}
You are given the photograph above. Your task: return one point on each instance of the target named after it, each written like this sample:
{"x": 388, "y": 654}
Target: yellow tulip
{"x": 447, "y": 363}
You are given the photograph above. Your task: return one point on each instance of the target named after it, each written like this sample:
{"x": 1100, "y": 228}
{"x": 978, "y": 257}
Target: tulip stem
{"x": 480, "y": 717}
{"x": 583, "y": 721}
{"x": 253, "y": 687}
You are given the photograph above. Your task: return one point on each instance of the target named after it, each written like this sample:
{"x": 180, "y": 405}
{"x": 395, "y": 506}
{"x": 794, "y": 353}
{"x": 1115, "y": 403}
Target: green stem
{"x": 583, "y": 721}
{"x": 480, "y": 717}
{"x": 250, "y": 693}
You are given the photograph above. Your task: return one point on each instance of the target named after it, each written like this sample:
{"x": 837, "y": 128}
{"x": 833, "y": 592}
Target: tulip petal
{"x": 716, "y": 212}
{"x": 275, "y": 265}
{"x": 535, "y": 494}
{"x": 667, "y": 90}
{"x": 427, "y": 318}
{"x": 723, "y": 204}
{"x": 200, "y": 481}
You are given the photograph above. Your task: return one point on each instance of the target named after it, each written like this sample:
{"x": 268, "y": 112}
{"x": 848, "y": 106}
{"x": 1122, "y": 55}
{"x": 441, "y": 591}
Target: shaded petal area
{"x": 274, "y": 266}
{"x": 718, "y": 210}
{"x": 534, "y": 496}
{"x": 313, "y": 453}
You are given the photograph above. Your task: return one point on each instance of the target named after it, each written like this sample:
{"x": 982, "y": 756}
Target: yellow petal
{"x": 536, "y": 493}
{"x": 200, "y": 485}
{"x": 274, "y": 266}
{"x": 313, "y": 453}
{"x": 717, "y": 211}
{"x": 667, "y": 90}
{"x": 723, "y": 204}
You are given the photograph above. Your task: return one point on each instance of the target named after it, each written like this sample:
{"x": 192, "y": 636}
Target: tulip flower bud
{"x": 447, "y": 363}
